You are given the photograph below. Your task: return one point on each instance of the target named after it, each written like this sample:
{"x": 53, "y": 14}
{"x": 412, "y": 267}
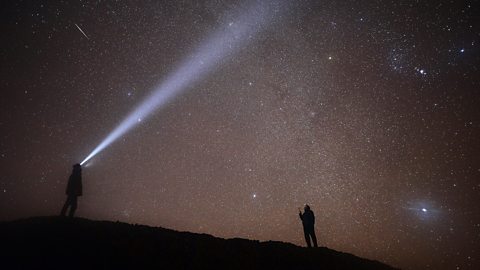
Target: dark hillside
{"x": 61, "y": 243}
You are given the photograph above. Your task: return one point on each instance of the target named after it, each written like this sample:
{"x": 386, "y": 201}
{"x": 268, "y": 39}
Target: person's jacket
{"x": 308, "y": 219}
{"x": 74, "y": 187}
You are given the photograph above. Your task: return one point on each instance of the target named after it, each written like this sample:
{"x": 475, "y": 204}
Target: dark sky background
{"x": 366, "y": 110}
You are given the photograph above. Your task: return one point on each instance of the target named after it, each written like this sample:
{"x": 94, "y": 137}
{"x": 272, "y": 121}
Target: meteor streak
{"x": 82, "y": 31}
{"x": 222, "y": 43}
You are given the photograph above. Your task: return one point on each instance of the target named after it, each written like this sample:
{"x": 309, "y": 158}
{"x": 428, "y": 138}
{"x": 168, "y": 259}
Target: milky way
{"x": 366, "y": 111}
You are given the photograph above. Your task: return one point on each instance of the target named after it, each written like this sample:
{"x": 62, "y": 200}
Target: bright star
{"x": 421, "y": 71}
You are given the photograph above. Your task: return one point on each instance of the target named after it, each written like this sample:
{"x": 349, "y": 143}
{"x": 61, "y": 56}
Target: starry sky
{"x": 365, "y": 110}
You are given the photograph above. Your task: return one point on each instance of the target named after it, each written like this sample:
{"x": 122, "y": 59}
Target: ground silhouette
{"x": 64, "y": 243}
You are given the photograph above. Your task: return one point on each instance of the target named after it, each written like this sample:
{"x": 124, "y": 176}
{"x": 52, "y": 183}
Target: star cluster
{"x": 365, "y": 110}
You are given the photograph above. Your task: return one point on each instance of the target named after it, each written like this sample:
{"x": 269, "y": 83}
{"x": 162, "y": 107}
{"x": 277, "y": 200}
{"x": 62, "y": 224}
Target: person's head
{"x": 307, "y": 207}
{"x": 77, "y": 167}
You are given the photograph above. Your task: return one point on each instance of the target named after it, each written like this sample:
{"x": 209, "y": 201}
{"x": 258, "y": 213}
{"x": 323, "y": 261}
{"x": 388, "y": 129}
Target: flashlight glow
{"x": 204, "y": 60}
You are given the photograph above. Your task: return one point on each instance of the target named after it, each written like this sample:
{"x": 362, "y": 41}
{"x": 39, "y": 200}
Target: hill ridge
{"x": 54, "y": 242}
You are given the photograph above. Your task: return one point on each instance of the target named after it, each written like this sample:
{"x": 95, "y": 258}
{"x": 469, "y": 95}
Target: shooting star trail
{"x": 80, "y": 29}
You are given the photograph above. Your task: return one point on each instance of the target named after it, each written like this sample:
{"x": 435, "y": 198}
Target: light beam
{"x": 224, "y": 42}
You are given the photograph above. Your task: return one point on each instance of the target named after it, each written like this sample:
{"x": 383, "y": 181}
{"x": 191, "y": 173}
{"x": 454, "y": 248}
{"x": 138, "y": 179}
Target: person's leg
{"x": 307, "y": 238}
{"x": 73, "y": 206}
{"x": 314, "y": 238}
{"x": 65, "y": 207}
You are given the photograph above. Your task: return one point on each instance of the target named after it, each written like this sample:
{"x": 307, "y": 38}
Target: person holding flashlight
{"x": 74, "y": 189}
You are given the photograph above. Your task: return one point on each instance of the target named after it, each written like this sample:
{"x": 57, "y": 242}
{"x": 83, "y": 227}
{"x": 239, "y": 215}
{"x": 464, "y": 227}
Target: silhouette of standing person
{"x": 308, "y": 220}
{"x": 74, "y": 189}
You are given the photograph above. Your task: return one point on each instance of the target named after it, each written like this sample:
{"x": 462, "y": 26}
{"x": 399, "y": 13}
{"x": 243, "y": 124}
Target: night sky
{"x": 366, "y": 110}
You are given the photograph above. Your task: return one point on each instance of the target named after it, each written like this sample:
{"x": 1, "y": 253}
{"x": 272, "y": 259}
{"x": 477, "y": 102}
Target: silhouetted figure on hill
{"x": 308, "y": 220}
{"x": 74, "y": 189}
